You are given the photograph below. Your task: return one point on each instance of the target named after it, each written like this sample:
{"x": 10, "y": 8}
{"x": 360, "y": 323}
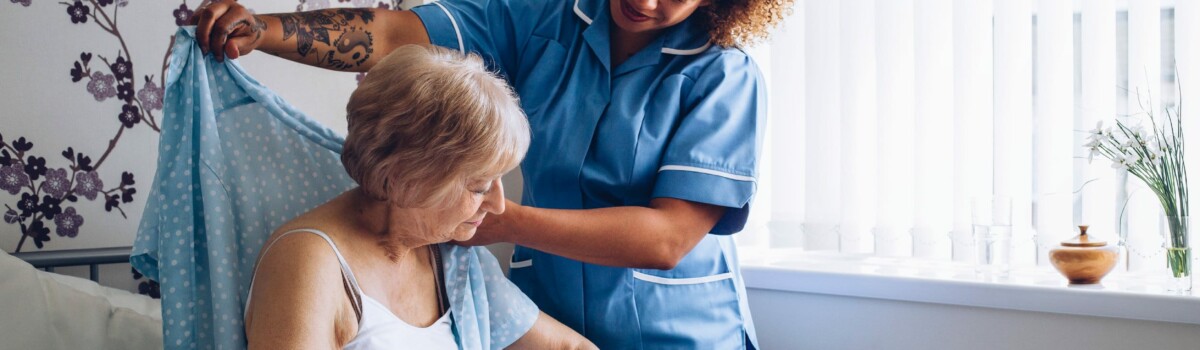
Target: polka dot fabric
{"x": 236, "y": 161}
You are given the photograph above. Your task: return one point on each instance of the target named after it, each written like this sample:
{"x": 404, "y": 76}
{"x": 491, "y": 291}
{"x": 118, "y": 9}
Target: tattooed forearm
{"x": 336, "y": 38}
{"x": 256, "y": 25}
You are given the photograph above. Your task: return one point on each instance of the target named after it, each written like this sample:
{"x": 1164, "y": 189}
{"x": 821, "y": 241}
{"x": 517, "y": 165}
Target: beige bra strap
{"x": 349, "y": 283}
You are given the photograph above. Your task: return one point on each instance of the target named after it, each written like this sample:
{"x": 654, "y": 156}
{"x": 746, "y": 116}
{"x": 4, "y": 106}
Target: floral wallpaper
{"x": 72, "y": 152}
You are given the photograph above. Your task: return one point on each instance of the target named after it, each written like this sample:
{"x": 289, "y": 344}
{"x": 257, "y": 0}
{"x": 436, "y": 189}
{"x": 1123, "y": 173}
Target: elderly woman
{"x": 430, "y": 133}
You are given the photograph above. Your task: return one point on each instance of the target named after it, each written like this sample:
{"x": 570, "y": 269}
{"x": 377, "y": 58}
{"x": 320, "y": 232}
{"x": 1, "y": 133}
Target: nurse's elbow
{"x": 662, "y": 264}
{"x": 666, "y": 257}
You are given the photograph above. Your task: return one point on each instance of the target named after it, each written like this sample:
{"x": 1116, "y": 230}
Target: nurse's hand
{"x": 496, "y": 228}
{"x": 226, "y": 28}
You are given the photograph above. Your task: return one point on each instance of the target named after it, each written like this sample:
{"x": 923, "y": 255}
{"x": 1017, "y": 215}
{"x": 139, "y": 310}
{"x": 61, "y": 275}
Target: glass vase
{"x": 1179, "y": 254}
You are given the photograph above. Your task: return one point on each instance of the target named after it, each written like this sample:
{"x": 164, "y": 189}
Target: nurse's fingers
{"x": 235, "y": 23}
{"x": 204, "y": 19}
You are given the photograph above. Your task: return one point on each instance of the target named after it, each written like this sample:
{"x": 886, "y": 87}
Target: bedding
{"x": 43, "y": 310}
{"x": 235, "y": 161}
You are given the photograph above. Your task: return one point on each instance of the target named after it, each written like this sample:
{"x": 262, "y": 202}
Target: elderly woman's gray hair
{"x": 425, "y": 120}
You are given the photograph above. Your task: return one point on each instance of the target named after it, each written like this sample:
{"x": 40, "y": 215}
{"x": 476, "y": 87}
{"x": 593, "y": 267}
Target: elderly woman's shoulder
{"x": 302, "y": 263}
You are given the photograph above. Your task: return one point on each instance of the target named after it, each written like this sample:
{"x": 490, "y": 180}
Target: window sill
{"x": 1039, "y": 289}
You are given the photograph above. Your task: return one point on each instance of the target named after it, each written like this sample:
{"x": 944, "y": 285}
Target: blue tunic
{"x": 680, "y": 119}
{"x": 235, "y": 161}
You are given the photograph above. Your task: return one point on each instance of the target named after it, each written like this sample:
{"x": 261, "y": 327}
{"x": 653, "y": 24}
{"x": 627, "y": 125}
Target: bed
{"x": 45, "y": 310}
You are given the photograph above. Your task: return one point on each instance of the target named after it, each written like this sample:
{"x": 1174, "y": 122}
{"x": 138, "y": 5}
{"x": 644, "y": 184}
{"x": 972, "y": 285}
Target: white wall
{"x": 787, "y": 320}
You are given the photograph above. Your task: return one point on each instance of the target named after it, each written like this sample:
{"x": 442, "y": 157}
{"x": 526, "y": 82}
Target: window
{"x": 888, "y": 116}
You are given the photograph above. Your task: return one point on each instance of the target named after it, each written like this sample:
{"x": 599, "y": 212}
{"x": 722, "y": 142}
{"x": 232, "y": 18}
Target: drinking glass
{"x": 991, "y": 226}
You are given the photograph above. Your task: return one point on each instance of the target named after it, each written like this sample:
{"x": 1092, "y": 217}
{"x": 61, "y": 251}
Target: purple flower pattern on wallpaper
{"x": 151, "y": 96}
{"x": 12, "y": 179}
{"x": 79, "y": 12}
{"x": 129, "y": 116}
{"x": 101, "y": 86}
{"x": 49, "y": 195}
{"x": 182, "y": 15}
{"x": 67, "y": 224}
{"x": 57, "y": 184}
{"x": 89, "y": 184}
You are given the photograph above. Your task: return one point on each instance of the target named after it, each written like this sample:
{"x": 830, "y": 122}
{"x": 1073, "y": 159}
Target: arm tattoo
{"x": 346, "y": 41}
{"x": 257, "y": 27}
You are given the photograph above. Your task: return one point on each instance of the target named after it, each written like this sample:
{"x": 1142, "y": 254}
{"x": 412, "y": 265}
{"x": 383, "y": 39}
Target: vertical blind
{"x": 889, "y": 116}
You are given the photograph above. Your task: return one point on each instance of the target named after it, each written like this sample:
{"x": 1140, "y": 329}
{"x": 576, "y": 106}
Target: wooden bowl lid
{"x": 1083, "y": 240}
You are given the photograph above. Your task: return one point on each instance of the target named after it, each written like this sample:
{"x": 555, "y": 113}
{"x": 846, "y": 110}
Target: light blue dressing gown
{"x": 235, "y": 162}
{"x": 679, "y": 119}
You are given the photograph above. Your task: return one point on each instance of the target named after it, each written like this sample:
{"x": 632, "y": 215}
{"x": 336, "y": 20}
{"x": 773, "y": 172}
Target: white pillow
{"x": 49, "y": 311}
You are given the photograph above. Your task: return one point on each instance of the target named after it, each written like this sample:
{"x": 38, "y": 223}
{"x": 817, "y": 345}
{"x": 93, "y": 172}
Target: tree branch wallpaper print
{"x": 80, "y": 107}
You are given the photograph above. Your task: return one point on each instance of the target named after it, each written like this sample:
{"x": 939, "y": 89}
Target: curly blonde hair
{"x": 742, "y": 23}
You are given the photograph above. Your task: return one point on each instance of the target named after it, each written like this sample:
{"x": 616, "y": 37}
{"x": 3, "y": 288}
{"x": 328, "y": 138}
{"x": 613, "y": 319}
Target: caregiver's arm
{"x": 548, "y": 333}
{"x": 345, "y": 39}
{"x": 656, "y": 237}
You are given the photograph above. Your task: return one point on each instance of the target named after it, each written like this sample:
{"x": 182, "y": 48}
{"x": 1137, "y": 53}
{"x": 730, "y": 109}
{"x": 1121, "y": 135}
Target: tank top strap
{"x": 348, "y": 281}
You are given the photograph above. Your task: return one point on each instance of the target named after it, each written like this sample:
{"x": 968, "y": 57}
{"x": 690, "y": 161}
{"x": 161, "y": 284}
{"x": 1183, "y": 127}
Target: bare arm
{"x": 656, "y": 237}
{"x": 297, "y": 298}
{"x": 548, "y": 333}
{"x": 345, "y": 39}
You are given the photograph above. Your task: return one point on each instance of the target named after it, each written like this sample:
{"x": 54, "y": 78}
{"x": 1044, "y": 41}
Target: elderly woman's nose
{"x": 494, "y": 202}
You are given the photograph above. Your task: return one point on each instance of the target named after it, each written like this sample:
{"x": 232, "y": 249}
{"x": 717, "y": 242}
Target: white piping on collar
{"x": 581, "y": 15}
{"x": 689, "y": 52}
{"x": 454, "y": 23}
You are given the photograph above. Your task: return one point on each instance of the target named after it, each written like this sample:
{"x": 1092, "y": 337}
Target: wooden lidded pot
{"x": 1083, "y": 260}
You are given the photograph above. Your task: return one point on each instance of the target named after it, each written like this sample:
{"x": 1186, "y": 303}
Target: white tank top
{"x": 378, "y": 327}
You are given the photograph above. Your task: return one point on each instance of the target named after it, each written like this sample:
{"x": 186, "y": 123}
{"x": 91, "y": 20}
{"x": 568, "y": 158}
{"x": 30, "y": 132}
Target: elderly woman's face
{"x": 467, "y": 210}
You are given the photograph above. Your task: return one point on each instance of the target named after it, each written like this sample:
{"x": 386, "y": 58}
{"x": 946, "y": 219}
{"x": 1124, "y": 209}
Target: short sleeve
{"x": 713, "y": 155}
{"x": 489, "y": 311}
{"x": 493, "y": 29}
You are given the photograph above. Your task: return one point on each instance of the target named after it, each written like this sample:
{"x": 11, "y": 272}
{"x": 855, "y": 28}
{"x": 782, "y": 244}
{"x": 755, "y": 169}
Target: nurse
{"x": 647, "y": 123}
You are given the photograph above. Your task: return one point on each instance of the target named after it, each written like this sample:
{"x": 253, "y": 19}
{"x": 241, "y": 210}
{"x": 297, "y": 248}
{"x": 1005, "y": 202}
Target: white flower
{"x": 1099, "y": 130}
{"x": 1119, "y": 162}
{"x": 1138, "y": 130}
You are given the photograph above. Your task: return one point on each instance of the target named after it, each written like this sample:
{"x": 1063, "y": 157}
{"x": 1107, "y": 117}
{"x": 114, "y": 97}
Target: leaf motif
{"x": 22, "y": 145}
{"x": 77, "y": 73}
{"x": 127, "y": 195}
{"x": 85, "y": 162}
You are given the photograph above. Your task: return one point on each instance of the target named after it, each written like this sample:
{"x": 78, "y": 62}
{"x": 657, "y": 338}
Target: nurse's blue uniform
{"x": 680, "y": 119}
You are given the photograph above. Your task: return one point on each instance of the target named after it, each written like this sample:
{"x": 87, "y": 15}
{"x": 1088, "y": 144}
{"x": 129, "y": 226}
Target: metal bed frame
{"x": 93, "y": 258}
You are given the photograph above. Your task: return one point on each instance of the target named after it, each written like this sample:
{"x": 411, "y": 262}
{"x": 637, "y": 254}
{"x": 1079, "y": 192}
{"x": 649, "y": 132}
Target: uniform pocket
{"x": 689, "y": 313}
{"x": 681, "y": 281}
{"x": 693, "y": 306}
